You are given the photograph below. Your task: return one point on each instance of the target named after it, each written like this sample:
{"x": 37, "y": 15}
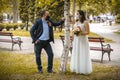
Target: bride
{"x": 80, "y": 58}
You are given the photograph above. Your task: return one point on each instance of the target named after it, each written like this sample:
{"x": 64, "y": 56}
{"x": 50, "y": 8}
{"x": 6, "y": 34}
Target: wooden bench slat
{"x": 5, "y": 40}
{"x": 11, "y": 39}
{"x": 95, "y": 40}
{"x": 103, "y": 48}
{"x": 6, "y": 33}
{"x": 100, "y": 49}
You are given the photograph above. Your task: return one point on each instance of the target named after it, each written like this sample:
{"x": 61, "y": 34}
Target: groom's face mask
{"x": 47, "y": 17}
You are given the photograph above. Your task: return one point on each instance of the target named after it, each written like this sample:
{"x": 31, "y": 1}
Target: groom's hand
{"x": 63, "y": 18}
{"x": 36, "y": 41}
{"x": 49, "y": 24}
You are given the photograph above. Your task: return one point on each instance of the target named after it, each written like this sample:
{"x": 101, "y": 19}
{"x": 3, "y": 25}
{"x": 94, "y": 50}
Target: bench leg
{"x": 12, "y": 46}
{"x": 109, "y": 56}
{"x": 102, "y": 57}
{"x": 19, "y": 45}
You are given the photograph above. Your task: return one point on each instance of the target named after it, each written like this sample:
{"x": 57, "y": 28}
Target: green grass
{"x": 20, "y": 32}
{"x": 15, "y": 66}
{"x": 117, "y": 32}
{"x": 56, "y": 34}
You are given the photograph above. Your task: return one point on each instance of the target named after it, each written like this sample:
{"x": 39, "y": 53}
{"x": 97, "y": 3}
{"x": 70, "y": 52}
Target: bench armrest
{"x": 16, "y": 39}
{"x": 107, "y": 45}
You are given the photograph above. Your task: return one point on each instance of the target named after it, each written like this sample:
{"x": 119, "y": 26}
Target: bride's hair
{"x": 82, "y": 14}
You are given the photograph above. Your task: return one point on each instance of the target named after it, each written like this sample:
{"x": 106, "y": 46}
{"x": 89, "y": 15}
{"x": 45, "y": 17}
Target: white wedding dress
{"x": 80, "y": 58}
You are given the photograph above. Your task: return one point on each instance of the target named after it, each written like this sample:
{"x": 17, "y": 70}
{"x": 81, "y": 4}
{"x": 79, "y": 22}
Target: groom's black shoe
{"x": 50, "y": 71}
{"x": 40, "y": 71}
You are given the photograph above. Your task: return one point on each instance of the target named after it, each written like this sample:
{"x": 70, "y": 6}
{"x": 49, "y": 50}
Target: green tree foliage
{"x": 30, "y": 9}
{"x": 94, "y": 7}
{"x": 3, "y": 5}
{"x": 56, "y": 7}
{"x": 27, "y": 11}
{"x": 15, "y": 10}
{"x": 23, "y": 10}
{"x": 114, "y": 6}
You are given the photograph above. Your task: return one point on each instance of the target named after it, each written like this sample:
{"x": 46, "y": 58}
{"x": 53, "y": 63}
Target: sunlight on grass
{"x": 15, "y": 66}
{"x": 117, "y": 32}
{"x": 56, "y": 34}
{"x": 20, "y": 33}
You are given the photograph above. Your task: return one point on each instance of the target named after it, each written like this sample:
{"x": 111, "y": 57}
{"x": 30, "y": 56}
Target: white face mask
{"x": 76, "y": 17}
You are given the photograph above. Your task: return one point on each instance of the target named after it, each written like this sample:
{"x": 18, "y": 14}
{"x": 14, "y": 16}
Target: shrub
{"x": 118, "y": 18}
{"x": 9, "y": 26}
{"x": 15, "y": 26}
{"x": 21, "y": 25}
{"x": 1, "y": 26}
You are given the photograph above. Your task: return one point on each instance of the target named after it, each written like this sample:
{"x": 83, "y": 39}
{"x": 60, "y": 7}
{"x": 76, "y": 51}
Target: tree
{"x": 94, "y": 7}
{"x": 23, "y": 11}
{"x": 114, "y": 6}
{"x": 15, "y": 10}
{"x": 64, "y": 57}
{"x": 4, "y": 5}
{"x": 55, "y": 7}
{"x": 27, "y": 11}
{"x": 32, "y": 8}
{"x": 80, "y": 3}
{"x": 73, "y": 10}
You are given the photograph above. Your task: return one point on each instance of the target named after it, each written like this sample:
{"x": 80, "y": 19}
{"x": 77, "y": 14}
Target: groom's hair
{"x": 43, "y": 13}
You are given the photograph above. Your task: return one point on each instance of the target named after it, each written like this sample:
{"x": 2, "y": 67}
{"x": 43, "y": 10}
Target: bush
{"x": 9, "y": 26}
{"x": 15, "y": 26}
{"x": 1, "y": 26}
{"x": 117, "y": 18}
{"x": 21, "y": 25}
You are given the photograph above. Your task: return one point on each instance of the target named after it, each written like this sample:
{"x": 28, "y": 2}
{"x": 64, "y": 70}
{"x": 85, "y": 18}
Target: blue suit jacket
{"x": 37, "y": 29}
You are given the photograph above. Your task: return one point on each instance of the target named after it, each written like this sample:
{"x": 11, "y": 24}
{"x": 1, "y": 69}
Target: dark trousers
{"x": 38, "y": 47}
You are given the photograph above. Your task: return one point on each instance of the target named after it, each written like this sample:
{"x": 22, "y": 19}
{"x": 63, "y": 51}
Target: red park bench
{"x": 103, "y": 48}
{"x": 11, "y": 39}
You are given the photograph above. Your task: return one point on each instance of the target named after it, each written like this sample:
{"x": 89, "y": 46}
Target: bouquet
{"x": 77, "y": 31}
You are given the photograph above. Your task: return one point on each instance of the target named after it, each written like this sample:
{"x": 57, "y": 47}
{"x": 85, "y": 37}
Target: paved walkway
{"x": 108, "y": 32}
{"x": 105, "y": 31}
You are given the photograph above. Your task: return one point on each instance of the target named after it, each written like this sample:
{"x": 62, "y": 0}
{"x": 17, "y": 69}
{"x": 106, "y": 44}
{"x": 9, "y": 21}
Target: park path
{"x": 105, "y": 31}
{"x": 108, "y": 32}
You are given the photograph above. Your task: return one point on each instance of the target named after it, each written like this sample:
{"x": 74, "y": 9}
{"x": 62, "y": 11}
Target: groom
{"x": 42, "y": 34}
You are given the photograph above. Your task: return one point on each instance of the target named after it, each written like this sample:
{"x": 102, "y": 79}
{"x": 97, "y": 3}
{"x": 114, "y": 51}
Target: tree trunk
{"x": 73, "y": 12}
{"x": 15, "y": 10}
{"x": 64, "y": 57}
{"x": 27, "y": 25}
{"x": 80, "y": 5}
{"x": 74, "y": 1}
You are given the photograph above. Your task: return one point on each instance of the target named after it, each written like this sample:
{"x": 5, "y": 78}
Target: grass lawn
{"x": 118, "y": 32}
{"x": 15, "y": 66}
{"x": 56, "y": 34}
